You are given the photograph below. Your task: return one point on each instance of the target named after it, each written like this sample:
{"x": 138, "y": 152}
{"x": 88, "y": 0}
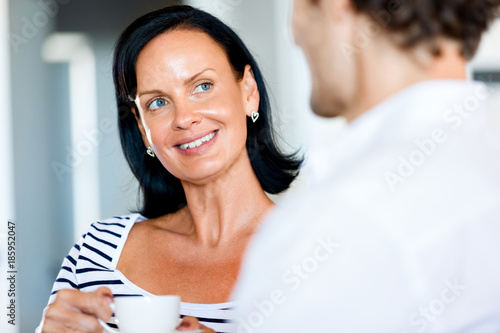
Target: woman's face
{"x": 193, "y": 109}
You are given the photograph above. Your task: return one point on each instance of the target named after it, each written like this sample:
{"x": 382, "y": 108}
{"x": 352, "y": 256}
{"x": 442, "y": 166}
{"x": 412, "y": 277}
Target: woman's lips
{"x": 197, "y": 142}
{"x": 193, "y": 138}
{"x": 198, "y": 146}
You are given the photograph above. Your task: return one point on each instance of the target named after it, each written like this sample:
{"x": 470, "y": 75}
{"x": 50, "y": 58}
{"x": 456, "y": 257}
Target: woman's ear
{"x": 141, "y": 127}
{"x": 251, "y": 96}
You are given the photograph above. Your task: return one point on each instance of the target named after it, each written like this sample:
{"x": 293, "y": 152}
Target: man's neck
{"x": 385, "y": 70}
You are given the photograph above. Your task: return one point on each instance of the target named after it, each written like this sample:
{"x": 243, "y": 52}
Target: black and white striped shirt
{"x": 92, "y": 261}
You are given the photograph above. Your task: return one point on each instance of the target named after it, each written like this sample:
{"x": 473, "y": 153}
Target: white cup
{"x": 157, "y": 314}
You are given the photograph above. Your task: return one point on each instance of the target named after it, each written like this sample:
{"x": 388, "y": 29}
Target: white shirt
{"x": 401, "y": 235}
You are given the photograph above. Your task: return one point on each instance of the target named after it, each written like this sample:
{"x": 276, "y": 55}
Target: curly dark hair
{"x": 423, "y": 21}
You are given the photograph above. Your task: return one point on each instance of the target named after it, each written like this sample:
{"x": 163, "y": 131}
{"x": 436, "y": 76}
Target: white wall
{"x": 36, "y": 189}
{"x": 6, "y": 167}
{"x": 488, "y": 55}
{"x": 74, "y": 50}
{"x": 487, "y": 59}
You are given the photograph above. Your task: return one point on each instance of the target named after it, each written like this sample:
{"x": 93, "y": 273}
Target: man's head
{"x": 340, "y": 38}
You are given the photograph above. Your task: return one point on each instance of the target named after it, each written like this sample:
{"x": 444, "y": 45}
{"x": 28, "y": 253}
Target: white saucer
{"x": 195, "y": 331}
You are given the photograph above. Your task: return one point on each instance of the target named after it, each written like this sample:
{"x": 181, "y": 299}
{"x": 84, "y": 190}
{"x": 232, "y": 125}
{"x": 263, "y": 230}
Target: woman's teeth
{"x": 198, "y": 142}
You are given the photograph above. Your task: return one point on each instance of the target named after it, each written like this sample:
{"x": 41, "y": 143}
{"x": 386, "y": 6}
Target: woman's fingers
{"x": 105, "y": 293}
{"x": 54, "y": 327}
{"x": 76, "y": 311}
{"x": 71, "y": 322}
{"x": 191, "y": 324}
{"x": 95, "y": 303}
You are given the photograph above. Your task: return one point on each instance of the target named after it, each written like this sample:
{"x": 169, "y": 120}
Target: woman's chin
{"x": 200, "y": 175}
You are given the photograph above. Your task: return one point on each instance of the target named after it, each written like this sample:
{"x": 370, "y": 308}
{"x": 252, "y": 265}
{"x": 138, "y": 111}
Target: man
{"x": 403, "y": 235}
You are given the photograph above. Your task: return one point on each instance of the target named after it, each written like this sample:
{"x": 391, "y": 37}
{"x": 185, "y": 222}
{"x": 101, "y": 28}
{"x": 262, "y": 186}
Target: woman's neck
{"x": 226, "y": 209}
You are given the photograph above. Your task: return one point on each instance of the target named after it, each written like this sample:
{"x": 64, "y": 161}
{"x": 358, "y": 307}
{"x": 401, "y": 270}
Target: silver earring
{"x": 255, "y": 116}
{"x": 150, "y": 152}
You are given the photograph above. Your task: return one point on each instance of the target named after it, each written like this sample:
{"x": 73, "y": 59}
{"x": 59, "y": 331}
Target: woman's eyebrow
{"x": 150, "y": 92}
{"x": 192, "y": 78}
{"x": 186, "y": 81}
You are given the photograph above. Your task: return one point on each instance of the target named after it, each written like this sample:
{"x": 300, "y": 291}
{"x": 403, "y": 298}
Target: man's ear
{"x": 140, "y": 126}
{"x": 251, "y": 95}
{"x": 338, "y": 10}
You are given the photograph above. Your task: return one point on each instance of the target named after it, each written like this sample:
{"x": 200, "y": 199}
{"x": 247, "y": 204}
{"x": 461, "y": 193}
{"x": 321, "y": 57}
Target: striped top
{"x": 92, "y": 261}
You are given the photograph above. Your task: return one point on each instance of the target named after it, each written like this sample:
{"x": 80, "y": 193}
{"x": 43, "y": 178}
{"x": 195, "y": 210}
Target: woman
{"x": 194, "y": 122}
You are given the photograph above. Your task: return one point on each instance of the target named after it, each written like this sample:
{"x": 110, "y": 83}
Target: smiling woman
{"x": 196, "y": 129}
{"x": 275, "y": 171}
{"x": 186, "y": 92}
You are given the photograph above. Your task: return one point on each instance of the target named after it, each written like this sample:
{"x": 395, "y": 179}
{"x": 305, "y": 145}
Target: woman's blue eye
{"x": 203, "y": 87}
{"x": 157, "y": 103}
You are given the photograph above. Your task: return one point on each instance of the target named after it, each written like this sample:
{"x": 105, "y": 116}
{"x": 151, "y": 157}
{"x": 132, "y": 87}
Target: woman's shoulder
{"x": 132, "y": 217}
{"x": 116, "y": 224}
{"x": 104, "y": 237}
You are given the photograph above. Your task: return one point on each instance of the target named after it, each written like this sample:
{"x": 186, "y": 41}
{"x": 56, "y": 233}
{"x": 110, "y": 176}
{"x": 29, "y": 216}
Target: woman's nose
{"x": 185, "y": 116}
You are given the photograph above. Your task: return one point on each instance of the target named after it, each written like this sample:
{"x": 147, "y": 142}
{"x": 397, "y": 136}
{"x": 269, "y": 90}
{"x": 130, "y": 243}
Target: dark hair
{"x": 162, "y": 192}
{"x": 425, "y": 20}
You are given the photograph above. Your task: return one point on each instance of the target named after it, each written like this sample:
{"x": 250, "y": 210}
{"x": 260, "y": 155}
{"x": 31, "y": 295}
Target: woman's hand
{"x": 192, "y": 324}
{"x": 77, "y": 312}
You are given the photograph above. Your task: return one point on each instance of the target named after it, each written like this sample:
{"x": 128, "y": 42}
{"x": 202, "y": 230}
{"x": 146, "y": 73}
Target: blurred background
{"x": 61, "y": 162}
